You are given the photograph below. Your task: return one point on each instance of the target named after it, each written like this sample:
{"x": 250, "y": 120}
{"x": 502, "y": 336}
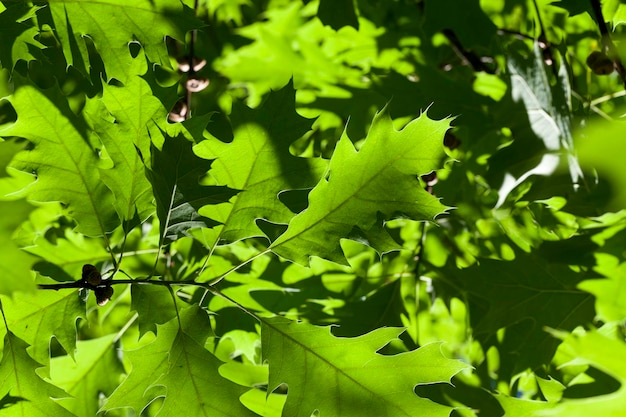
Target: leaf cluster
{"x": 296, "y": 208}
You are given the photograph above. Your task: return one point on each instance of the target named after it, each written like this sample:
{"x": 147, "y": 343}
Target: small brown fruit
{"x": 599, "y": 63}
{"x": 91, "y": 275}
{"x": 103, "y": 294}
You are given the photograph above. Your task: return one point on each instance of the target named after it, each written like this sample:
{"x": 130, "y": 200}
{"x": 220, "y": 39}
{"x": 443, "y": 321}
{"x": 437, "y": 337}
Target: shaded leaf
{"x": 174, "y": 174}
{"x": 345, "y": 376}
{"x": 338, "y": 13}
{"x": 548, "y": 109}
{"x": 366, "y": 187}
{"x": 153, "y": 304}
{"x": 258, "y": 163}
{"x": 18, "y": 33}
{"x": 524, "y": 295}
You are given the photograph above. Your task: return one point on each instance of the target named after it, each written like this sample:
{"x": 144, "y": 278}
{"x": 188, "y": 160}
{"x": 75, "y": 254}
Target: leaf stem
{"x": 4, "y": 317}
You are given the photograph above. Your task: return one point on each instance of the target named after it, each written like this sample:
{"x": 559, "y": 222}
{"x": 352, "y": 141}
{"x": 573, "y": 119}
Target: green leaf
{"x": 258, "y": 163}
{"x": 113, "y": 24}
{"x": 176, "y": 365}
{"x": 18, "y": 33}
{"x": 345, "y": 376}
{"x": 37, "y": 318}
{"x": 94, "y": 370}
{"x": 64, "y": 159}
{"x": 120, "y": 119}
{"x": 517, "y": 407}
{"x": 525, "y": 296}
{"x": 610, "y": 293}
{"x": 26, "y": 393}
{"x": 605, "y": 354}
{"x": 15, "y": 264}
{"x": 366, "y": 187}
{"x": 174, "y": 174}
{"x": 338, "y": 13}
{"x": 548, "y": 111}
{"x": 153, "y": 304}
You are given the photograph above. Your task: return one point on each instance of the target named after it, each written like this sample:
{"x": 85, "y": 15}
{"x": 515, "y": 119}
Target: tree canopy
{"x": 312, "y": 208}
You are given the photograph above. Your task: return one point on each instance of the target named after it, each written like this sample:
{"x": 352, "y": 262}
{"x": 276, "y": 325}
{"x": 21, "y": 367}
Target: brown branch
{"x": 106, "y": 283}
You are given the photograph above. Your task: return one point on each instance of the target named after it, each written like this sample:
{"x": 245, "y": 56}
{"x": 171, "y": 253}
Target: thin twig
{"x": 4, "y": 317}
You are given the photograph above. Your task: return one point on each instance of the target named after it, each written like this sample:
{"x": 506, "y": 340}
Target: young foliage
{"x": 258, "y": 163}
{"x": 351, "y": 376}
{"x": 366, "y": 187}
{"x": 296, "y": 208}
{"x": 62, "y": 159}
{"x": 23, "y": 392}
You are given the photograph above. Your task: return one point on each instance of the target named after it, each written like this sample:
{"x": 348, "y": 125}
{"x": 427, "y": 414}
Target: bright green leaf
{"x": 113, "y": 24}
{"x": 258, "y": 163}
{"x": 177, "y": 365}
{"x": 604, "y": 353}
{"x": 26, "y": 394}
{"x": 345, "y": 376}
{"x": 94, "y": 370}
{"x": 378, "y": 180}
{"x": 37, "y": 318}
{"x": 15, "y": 264}
{"x": 64, "y": 160}
{"x": 124, "y": 136}
{"x": 610, "y": 293}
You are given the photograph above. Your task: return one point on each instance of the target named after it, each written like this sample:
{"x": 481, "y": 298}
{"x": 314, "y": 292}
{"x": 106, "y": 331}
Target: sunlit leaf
{"x": 64, "y": 159}
{"x": 258, "y": 162}
{"x": 112, "y": 25}
{"x": 23, "y": 392}
{"x": 378, "y": 180}
{"x": 339, "y": 376}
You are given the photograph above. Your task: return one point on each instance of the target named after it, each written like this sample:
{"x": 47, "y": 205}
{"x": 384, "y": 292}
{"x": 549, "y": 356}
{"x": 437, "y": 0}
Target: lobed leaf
{"x": 366, "y": 187}
{"x": 37, "y": 318}
{"x": 605, "y": 354}
{"x": 120, "y": 119}
{"x": 23, "y": 393}
{"x": 175, "y": 173}
{"x": 64, "y": 161}
{"x": 524, "y": 295}
{"x": 345, "y": 376}
{"x": 94, "y": 370}
{"x": 177, "y": 366}
{"x": 113, "y": 24}
{"x": 258, "y": 163}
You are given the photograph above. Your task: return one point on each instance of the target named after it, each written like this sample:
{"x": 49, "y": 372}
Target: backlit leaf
{"x": 340, "y": 376}
{"x": 378, "y": 180}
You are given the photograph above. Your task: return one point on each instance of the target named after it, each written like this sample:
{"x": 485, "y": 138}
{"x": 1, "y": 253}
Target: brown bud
{"x": 103, "y": 294}
{"x": 91, "y": 275}
{"x": 179, "y": 112}
{"x": 599, "y": 63}
{"x": 183, "y": 64}
{"x": 197, "y": 84}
